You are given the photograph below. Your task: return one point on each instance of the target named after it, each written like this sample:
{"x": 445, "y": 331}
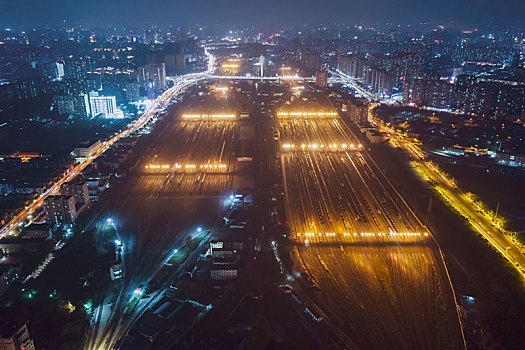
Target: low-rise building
{"x": 221, "y": 272}
{"x": 37, "y": 230}
{"x": 115, "y": 271}
{"x": 82, "y": 153}
{"x": 374, "y": 136}
{"x": 22, "y": 244}
{"x": 510, "y": 159}
{"x": 96, "y": 184}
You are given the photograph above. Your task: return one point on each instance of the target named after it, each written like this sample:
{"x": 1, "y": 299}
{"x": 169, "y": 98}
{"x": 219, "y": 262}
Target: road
{"x": 498, "y": 238}
{"x": 381, "y": 277}
{"x": 340, "y": 77}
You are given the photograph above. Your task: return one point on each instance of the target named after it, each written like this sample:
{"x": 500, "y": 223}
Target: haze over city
{"x": 272, "y": 12}
{"x": 262, "y": 174}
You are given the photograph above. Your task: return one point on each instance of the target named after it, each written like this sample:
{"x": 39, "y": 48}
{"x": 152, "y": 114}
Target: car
{"x": 286, "y": 289}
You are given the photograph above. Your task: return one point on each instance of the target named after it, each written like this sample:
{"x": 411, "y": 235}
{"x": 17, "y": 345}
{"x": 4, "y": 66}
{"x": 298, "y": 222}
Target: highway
{"x": 340, "y": 77}
{"x": 498, "y": 238}
{"x": 381, "y": 276}
{"x": 275, "y": 78}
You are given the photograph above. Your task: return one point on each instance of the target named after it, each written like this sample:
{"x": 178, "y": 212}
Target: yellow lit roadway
{"x": 181, "y": 83}
{"x": 340, "y": 77}
{"x": 480, "y": 222}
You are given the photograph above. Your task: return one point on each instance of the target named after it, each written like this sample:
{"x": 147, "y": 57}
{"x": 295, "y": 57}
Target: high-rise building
{"x": 76, "y": 68}
{"x": 352, "y": 65}
{"x": 132, "y": 92}
{"x": 72, "y": 105}
{"x": 358, "y": 111}
{"x": 430, "y": 92}
{"x": 468, "y": 95}
{"x": 15, "y": 336}
{"x": 106, "y": 106}
{"x": 60, "y": 210}
{"x": 59, "y": 70}
{"x": 152, "y": 77}
{"x": 175, "y": 63}
{"x": 151, "y": 36}
{"x": 23, "y": 89}
{"x": 82, "y": 106}
{"x": 77, "y": 189}
{"x": 321, "y": 79}
{"x": 379, "y": 80}
{"x": 64, "y": 104}
{"x": 313, "y": 61}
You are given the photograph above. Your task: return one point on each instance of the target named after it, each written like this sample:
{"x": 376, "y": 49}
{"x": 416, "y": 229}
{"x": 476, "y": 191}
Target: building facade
{"x": 321, "y": 79}
{"x": 77, "y": 189}
{"x": 152, "y": 78}
{"x": 60, "y": 210}
{"x": 81, "y": 153}
{"x": 105, "y": 106}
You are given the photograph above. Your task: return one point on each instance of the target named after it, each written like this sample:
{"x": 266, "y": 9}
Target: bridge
{"x": 337, "y": 78}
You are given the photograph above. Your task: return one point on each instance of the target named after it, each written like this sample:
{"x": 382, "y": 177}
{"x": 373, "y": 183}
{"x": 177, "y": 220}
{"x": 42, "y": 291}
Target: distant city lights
{"x": 208, "y": 167}
{"x": 208, "y": 116}
{"x": 307, "y": 114}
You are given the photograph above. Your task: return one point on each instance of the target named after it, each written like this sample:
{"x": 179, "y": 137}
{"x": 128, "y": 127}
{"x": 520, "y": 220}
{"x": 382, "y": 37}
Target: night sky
{"x": 260, "y": 12}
